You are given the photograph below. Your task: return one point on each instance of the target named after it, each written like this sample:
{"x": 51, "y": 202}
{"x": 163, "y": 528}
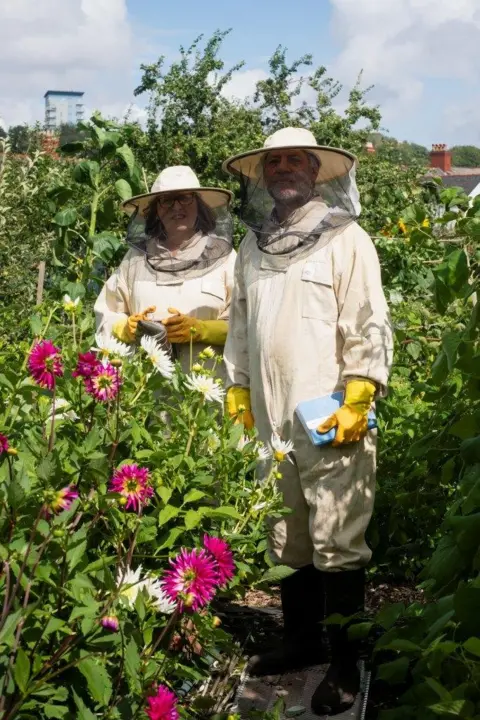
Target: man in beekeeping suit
{"x": 309, "y": 318}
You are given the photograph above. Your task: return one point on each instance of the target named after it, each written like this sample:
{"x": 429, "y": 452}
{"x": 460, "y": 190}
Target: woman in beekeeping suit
{"x": 179, "y": 269}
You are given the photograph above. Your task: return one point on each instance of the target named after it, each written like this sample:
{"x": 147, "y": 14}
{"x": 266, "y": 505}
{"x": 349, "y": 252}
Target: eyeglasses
{"x": 170, "y": 200}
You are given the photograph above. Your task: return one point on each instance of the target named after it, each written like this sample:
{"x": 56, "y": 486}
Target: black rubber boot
{"x": 344, "y": 594}
{"x": 304, "y": 642}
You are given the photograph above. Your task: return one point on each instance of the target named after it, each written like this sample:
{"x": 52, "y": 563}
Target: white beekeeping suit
{"x": 308, "y": 316}
{"x": 196, "y": 279}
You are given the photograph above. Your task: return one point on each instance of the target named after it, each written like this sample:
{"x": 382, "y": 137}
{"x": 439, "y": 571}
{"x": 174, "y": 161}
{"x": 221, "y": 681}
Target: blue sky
{"x": 421, "y": 55}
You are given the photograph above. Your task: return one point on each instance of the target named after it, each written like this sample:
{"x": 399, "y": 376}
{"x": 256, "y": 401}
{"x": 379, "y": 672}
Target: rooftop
{"x": 70, "y": 93}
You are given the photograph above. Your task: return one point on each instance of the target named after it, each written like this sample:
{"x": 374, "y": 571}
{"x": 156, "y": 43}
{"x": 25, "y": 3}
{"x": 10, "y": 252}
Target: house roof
{"x": 466, "y": 182}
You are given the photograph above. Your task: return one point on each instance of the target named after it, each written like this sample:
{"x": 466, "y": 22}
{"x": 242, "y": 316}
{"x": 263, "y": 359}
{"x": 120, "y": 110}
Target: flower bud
{"x": 59, "y": 533}
{"x": 197, "y": 368}
{"x": 209, "y": 352}
{"x": 278, "y": 476}
{"x": 189, "y": 600}
{"x": 123, "y": 501}
{"x": 216, "y": 622}
{"x": 116, "y": 362}
{"x": 110, "y": 622}
{"x": 12, "y": 451}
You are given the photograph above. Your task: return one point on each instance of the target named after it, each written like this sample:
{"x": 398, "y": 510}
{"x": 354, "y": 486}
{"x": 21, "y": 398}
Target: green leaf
{"x": 83, "y": 712}
{"x": 171, "y": 538}
{"x": 126, "y": 154}
{"x": 275, "y": 574}
{"x": 132, "y": 663}
{"x": 359, "y": 630}
{"x": 124, "y": 191}
{"x": 21, "y": 671}
{"x": 167, "y": 513}
{"x": 470, "y": 450}
{"x": 440, "y": 368}
{"x": 450, "y": 343}
{"x": 55, "y": 711}
{"x": 472, "y": 645}
{"x": 402, "y": 645}
{"x": 393, "y": 672}
{"x": 437, "y": 688}
{"x": 164, "y": 493}
{"x": 449, "y": 707}
{"x": 389, "y": 614}
{"x": 53, "y": 625}
{"x": 8, "y": 630}
{"x": 414, "y": 349}
{"x": 15, "y": 494}
{"x": 193, "y": 518}
{"x": 98, "y": 680}
{"x": 76, "y": 554}
{"x": 193, "y": 496}
{"x": 224, "y": 511}
{"x": 87, "y": 173}
{"x": 466, "y": 603}
{"x": 65, "y": 217}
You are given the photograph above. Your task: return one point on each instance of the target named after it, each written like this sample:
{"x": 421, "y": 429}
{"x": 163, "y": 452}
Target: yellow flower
{"x": 402, "y": 227}
{"x": 426, "y": 223}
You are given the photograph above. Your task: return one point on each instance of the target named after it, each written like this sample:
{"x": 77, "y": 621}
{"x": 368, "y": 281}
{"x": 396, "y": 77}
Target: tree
{"x": 466, "y": 156}
{"x": 19, "y": 138}
{"x": 3, "y": 133}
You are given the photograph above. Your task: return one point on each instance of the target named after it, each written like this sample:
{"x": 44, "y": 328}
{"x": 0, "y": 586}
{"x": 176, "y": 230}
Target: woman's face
{"x": 178, "y": 212}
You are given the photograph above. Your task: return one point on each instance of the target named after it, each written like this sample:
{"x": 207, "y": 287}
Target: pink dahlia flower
{"x": 133, "y": 482}
{"x": 86, "y": 365}
{"x": 45, "y": 364}
{"x": 104, "y": 383}
{"x": 162, "y": 705}
{"x": 110, "y": 622}
{"x": 220, "y": 550}
{"x": 193, "y": 579}
{"x": 3, "y": 444}
{"x": 62, "y": 500}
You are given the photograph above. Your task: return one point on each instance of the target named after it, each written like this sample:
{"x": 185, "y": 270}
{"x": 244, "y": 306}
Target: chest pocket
{"x": 215, "y": 287}
{"x": 318, "y": 296}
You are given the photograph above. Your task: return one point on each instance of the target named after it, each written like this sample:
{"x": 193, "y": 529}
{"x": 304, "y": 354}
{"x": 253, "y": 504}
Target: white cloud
{"x": 243, "y": 83}
{"x": 63, "y": 45}
{"x": 402, "y": 44}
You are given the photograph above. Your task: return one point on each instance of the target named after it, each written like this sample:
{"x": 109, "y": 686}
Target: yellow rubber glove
{"x": 351, "y": 420}
{"x": 181, "y": 328}
{"x": 238, "y": 406}
{"x": 126, "y": 329}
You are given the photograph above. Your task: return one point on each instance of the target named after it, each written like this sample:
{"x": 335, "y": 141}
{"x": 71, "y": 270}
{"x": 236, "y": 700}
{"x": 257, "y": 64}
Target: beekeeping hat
{"x": 333, "y": 161}
{"x": 313, "y": 202}
{"x": 178, "y": 179}
{"x": 210, "y": 242}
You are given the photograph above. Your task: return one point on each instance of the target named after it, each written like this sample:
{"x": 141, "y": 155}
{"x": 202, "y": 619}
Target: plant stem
{"x": 51, "y": 439}
{"x": 7, "y": 607}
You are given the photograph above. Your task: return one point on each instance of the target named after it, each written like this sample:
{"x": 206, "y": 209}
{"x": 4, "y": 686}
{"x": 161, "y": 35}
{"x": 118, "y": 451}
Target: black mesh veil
{"x": 210, "y": 244}
{"x": 320, "y": 209}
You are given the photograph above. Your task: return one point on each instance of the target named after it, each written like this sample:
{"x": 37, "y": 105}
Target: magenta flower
{"x": 162, "y": 705}
{"x": 104, "y": 383}
{"x": 61, "y": 500}
{"x": 192, "y": 581}
{"x": 223, "y": 557}
{"x": 45, "y": 364}
{"x": 86, "y": 365}
{"x": 3, "y": 444}
{"x": 133, "y": 482}
{"x": 110, "y": 622}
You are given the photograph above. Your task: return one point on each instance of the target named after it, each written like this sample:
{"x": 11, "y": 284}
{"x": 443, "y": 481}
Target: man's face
{"x": 289, "y": 176}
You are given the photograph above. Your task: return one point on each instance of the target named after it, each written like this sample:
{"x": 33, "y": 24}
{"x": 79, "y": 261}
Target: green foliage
{"x": 64, "y": 566}
{"x": 466, "y": 156}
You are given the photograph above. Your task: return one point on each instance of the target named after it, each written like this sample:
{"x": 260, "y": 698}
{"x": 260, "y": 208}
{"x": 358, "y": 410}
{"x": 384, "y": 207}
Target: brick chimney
{"x": 441, "y": 157}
